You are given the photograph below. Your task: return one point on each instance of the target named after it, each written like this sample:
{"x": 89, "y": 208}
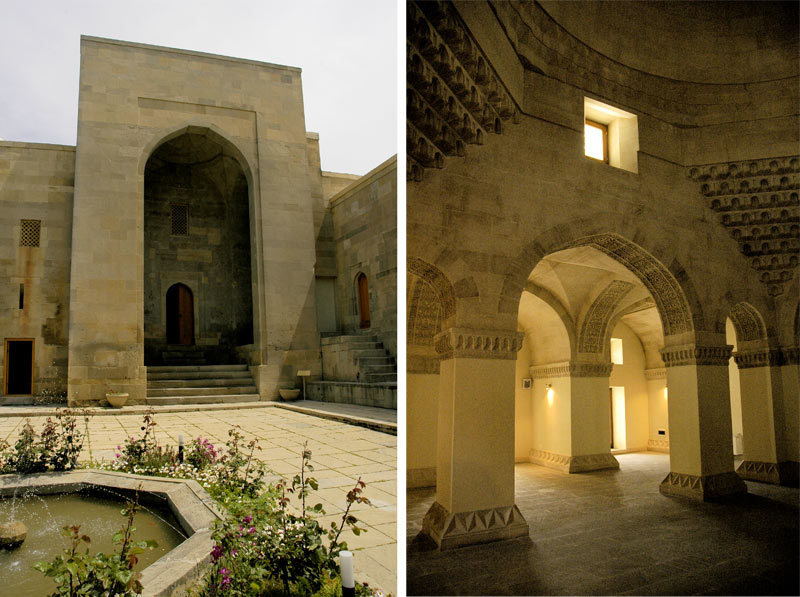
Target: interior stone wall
{"x": 36, "y": 183}
{"x": 497, "y": 176}
{"x": 213, "y": 260}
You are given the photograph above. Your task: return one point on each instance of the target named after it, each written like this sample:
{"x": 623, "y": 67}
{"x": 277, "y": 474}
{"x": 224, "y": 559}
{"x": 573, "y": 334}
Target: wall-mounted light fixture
{"x": 666, "y": 393}
{"x": 549, "y": 391}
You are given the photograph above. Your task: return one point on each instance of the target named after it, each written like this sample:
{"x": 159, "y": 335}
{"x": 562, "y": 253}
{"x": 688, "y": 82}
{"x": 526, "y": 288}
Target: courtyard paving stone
{"x": 341, "y": 452}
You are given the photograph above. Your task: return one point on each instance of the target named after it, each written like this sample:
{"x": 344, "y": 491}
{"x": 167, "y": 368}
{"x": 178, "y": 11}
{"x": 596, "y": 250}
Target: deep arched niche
{"x": 197, "y": 231}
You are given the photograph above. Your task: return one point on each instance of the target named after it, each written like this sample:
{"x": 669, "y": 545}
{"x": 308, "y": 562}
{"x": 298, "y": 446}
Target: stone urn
{"x": 288, "y": 394}
{"x": 117, "y": 399}
{"x": 12, "y": 534}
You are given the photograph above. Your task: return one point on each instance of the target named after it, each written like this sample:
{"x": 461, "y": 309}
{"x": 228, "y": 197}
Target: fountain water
{"x": 175, "y": 509}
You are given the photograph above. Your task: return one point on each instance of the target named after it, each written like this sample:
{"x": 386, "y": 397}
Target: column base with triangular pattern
{"x": 778, "y": 473}
{"x": 703, "y": 487}
{"x": 450, "y": 530}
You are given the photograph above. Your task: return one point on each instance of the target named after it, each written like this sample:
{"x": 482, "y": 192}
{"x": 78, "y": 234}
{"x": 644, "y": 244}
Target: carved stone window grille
{"x": 180, "y": 220}
{"x": 29, "y": 233}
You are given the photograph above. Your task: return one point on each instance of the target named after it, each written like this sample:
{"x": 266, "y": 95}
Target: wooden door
{"x": 180, "y": 315}
{"x": 363, "y": 302}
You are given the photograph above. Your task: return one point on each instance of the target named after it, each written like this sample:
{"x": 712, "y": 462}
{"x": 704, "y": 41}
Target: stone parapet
{"x": 450, "y": 530}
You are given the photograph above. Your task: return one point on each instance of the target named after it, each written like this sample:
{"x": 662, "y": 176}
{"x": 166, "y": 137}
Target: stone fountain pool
{"x": 179, "y": 515}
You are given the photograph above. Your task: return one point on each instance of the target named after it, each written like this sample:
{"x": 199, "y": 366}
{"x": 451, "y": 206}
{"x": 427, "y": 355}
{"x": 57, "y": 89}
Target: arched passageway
{"x": 574, "y": 298}
{"x": 197, "y": 233}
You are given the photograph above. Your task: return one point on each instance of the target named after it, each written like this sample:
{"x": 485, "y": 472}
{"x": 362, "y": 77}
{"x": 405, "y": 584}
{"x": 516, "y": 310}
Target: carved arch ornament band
{"x": 667, "y": 293}
{"x": 593, "y": 329}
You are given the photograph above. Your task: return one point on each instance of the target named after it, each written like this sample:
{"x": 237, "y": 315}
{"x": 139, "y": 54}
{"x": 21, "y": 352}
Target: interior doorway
{"x": 180, "y": 315}
{"x": 363, "y": 301}
{"x": 18, "y": 369}
{"x": 618, "y": 436}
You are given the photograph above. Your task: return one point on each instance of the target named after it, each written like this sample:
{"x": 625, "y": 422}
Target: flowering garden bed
{"x": 269, "y": 542}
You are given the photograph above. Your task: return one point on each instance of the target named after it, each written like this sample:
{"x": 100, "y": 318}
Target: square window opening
{"x": 612, "y": 131}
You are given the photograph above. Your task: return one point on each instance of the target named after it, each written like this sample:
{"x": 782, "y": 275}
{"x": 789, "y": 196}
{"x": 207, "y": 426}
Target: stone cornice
{"x": 478, "y": 344}
{"x": 571, "y": 369}
{"x": 658, "y": 373}
{"x": 692, "y": 354}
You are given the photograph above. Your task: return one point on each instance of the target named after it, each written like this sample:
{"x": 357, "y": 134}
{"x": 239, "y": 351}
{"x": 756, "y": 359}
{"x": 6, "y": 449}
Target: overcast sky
{"x": 346, "y": 48}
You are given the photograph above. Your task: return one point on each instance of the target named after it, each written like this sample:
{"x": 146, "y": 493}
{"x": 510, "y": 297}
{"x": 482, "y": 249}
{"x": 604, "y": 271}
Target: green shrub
{"x": 78, "y": 573}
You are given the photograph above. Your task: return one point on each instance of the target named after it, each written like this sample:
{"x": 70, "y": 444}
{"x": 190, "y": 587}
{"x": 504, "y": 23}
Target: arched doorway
{"x": 180, "y": 315}
{"x": 362, "y": 289}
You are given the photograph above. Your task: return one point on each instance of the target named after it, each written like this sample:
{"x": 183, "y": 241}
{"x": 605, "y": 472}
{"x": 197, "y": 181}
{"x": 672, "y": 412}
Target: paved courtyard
{"x": 613, "y": 533}
{"x": 341, "y": 453}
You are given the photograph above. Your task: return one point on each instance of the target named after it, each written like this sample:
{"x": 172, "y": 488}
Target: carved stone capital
{"x": 768, "y": 357}
{"x": 574, "y": 464}
{"x": 778, "y": 473}
{"x": 450, "y": 530}
{"x": 658, "y": 373}
{"x": 703, "y": 488}
{"x": 478, "y": 344}
{"x": 692, "y": 354}
{"x": 571, "y": 369}
{"x": 791, "y": 355}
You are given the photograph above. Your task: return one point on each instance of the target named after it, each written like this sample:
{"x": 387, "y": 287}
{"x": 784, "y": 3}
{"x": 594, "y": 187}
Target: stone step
{"x": 198, "y": 375}
{"x": 195, "y": 368}
{"x": 185, "y": 362}
{"x": 224, "y": 398}
{"x": 350, "y": 338}
{"x": 379, "y": 377}
{"x": 376, "y": 360}
{"x": 201, "y": 391}
{"x": 199, "y": 383}
{"x": 376, "y": 352}
{"x": 377, "y": 368}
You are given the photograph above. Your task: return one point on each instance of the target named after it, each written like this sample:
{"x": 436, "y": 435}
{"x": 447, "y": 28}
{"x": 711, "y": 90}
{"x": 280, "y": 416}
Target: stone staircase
{"x": 356, "y": 369}
{"x": 199, "y": 384}
{"x": 359, "y": 358}
{"x": 176, "y": 355}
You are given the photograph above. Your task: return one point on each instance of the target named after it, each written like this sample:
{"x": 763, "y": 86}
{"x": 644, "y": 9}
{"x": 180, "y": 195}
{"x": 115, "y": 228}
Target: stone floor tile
{"x": 613, "y": 533}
